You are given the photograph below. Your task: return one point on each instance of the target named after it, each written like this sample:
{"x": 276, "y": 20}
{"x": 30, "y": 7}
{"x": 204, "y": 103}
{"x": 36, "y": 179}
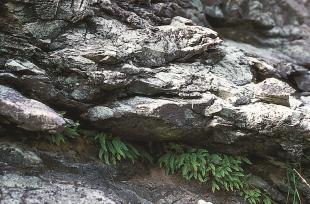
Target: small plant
{"x": 190, "y": 162}
{"x": 293, "y": 181}
{"x": 57, "y": 139}
{"x": 222, "y": 171}
{"x": 70, "y": 131}
{"x": 253, "y": 195}
{"x": 113, "y": 150}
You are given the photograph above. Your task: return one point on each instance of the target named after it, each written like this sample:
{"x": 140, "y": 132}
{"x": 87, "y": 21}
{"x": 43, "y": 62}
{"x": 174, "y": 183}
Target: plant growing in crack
{"x": 114, "y": 149}
{"x": 70, "y": 131}
{"x": 222, "y": 171}
{"x": 294, "y": 179}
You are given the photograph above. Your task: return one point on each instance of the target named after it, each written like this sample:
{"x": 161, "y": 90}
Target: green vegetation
{"x": 222, "y": 171}
{"x": 293, "y": 181}
{"x": 113, "y": 150}
{"x": 70, "y": 131}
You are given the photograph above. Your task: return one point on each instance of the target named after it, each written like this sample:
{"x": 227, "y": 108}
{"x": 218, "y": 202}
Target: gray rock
{"x": 303, "y": 80}
{"x": 46, "y": 30}
{"x": 46, "y": 10}
{"x": 142, "y": 46}
{"x": 234, "y": 66}
{"x": 17, "y": 66}
{"x": 153, "y": 71}
{"x": 281, "y": 26}
{"x": 188, "y": 9}
{"x": 160, "y": 118}
{"x": 203, "y": 202}
{"x": 18, "y": 157}
{"x": 274, "y": 91}
{"x": 100, "y": 113}
{"x": 274, "y": 193}
{"x": 268, "y": 119}
{"x": 15, "y": 189}
{"x": 305, "y": 100}
{"x": 27, "y": 113}
{"x": 160, "y": 76}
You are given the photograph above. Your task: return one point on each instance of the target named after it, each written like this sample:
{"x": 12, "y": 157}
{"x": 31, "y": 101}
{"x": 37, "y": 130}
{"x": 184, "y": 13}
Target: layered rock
{"x": 280, "y": 26}
{"x": 120, "y": 64}
{"x": 152, "y": 71}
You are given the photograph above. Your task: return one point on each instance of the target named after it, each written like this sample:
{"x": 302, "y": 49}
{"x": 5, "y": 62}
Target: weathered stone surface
{"x": 46, "y": 30}
{"x": 140, "y": 71}
{"x": 234, "y": 66}
{"x": 13, "y": 156}
{"x": 157, "y": 75}
{"x": 66, "y": 178}
{"x": 17, "y": 66}
{"x": 46, "y": 192}
{"x": 146, "y": 47}
{"x": 166, "y": 119}
{"x": 27, "y": 113}
{"x": 274, "y": 91}
{"x": 303, "y": 80}
{"x": 275, "y": 194}
{"x": 268, "y": 119}
{"x": 280, "y": 26}
{"x": 155, "y": 70}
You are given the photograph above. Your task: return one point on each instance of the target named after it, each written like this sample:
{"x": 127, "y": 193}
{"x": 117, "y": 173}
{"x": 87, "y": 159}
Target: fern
{"x": 70, "y": 131}
{"x": 57, "y": 139}
{"x": 224, "y": 172}
{"x": 113, "y": 150}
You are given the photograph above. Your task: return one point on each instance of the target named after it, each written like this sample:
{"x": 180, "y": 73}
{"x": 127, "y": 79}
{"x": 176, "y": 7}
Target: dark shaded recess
{"x": 11, "y": 133}
{"x": 132, "y": 125}
{"x": 241, "y": 31}
{"x": 2, "y": 6}
{"x": 252, "y": 146}
{"x": 306, "y": 158}
{"x": 129, "y": 130}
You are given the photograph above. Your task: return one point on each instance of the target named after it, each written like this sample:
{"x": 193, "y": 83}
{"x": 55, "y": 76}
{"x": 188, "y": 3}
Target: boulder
{"x": 27, "y": 113}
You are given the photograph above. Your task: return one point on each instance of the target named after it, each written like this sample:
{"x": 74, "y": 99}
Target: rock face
{"x": 160, "y": 76}
{"x": 66, "y": 179}
{"x": 157, "y": 71}
{"x": 280, "y": 26}
{"x": 62, "y": 193}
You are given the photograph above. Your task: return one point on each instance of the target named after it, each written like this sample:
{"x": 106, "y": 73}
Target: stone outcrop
{"x": 122, "y": 63}
{"x": 280, "y": 26}
{"x": 230, "y": 75}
